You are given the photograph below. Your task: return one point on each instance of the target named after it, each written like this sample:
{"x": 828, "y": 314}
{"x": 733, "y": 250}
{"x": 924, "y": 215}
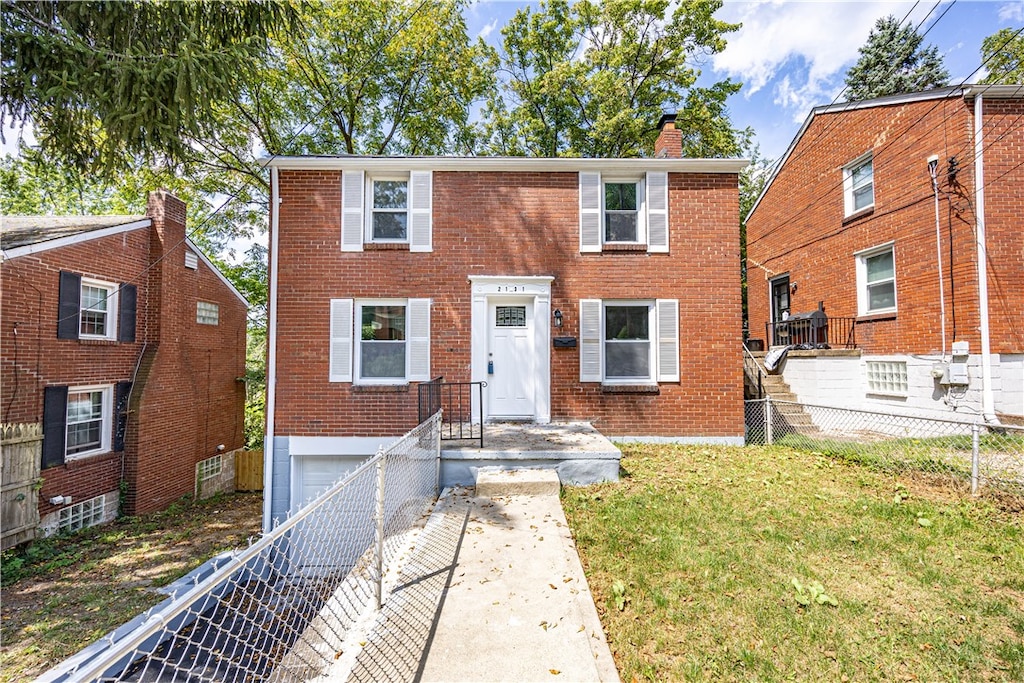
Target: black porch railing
{"x": 819, "y": 331}
{"x": 455, "y": 400}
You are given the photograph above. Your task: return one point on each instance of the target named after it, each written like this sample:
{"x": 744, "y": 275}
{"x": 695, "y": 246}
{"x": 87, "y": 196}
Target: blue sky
{"x": 792, "y": 55}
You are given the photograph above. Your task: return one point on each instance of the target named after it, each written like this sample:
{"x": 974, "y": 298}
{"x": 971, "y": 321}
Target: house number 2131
{"x": 511, "y": 288}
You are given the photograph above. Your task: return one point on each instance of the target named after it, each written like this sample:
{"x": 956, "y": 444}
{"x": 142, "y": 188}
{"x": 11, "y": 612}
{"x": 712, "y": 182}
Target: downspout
{"x": 987, "y": 397}
{"x": 933, "y": 171}
{"x": 271, "y": 378}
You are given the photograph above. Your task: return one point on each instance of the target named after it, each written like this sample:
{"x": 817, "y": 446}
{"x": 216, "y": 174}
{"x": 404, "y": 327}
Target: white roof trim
{"x": 38, "y": 247}
{"x": 216, "y": 271}
{"x": 514, "y": 164}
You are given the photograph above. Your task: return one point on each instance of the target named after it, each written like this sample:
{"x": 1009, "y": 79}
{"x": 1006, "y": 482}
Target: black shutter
{"x": 69, "y": 306}
{"x": 126, "y": 315}
{"x": 55, "y": 417}
{"x": 121, "y": 393}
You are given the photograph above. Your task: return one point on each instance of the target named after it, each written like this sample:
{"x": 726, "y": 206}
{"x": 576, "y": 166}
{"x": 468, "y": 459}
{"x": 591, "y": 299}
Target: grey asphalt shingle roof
{"x": 21, "y": 231}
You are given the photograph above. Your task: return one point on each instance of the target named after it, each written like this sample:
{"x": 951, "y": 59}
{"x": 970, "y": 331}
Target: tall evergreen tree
{"x": 893, "y": 61}
{"x": 1003, "y": 56}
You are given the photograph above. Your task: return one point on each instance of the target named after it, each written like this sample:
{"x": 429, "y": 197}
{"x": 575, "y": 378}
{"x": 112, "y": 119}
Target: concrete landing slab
{"x": 495, "y": 482}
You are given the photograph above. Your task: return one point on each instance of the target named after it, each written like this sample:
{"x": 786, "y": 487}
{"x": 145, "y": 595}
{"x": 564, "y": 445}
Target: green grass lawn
{"x": 766, "y": 563}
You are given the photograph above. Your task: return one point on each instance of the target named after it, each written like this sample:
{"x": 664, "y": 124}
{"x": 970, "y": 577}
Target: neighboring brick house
{"x": 127, "y": 345}
{"x": 851, "y": 219}
{"x": 386, "y": 272}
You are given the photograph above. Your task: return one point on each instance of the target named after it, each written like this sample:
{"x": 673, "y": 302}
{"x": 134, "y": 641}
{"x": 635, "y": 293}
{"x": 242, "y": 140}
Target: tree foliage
{"x": 591, "y": 79}
{"x": 893, "y": 61}
{"x": 103, "y": 82}
{"x": 1003, "y": 56}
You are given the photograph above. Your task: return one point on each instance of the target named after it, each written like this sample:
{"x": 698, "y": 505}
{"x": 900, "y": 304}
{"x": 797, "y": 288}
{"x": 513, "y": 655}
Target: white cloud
{"x": 799, "y": 49}
{"x": 1011, "y": 11}
{"x": 488, "y": 29}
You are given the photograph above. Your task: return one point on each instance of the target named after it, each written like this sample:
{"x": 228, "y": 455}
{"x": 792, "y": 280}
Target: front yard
{"x": 63, "y": 593}
{"x": 766, "y": 563}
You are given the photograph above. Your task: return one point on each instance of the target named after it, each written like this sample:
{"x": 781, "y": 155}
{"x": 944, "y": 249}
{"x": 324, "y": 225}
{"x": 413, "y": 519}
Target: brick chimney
{"x": 669, "y": 144}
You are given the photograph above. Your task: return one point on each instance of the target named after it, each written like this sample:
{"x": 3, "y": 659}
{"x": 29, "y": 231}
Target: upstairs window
{"x": 389, "y": 211}
{"x": 859, "y": 185}
{"x": 876, "y": 281}
{"x": 621, "y": 212}
{"x": 98, "y": 309}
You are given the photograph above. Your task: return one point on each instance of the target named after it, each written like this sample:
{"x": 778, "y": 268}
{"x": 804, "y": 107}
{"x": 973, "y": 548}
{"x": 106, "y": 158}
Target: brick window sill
{"x": 98, "y": 342}
{"x": 386, "y": 246}
{"x": 875, "y": 318}
{"x": 380, "y": 388}
{"x": 630, "y": 389}
{"x": 629, "y": 248}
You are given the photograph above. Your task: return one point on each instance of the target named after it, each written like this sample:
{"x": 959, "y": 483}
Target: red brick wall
{"x": 510, "y": 224}
{"x": 185, "y": 400}
{"x": 798, "y": 228}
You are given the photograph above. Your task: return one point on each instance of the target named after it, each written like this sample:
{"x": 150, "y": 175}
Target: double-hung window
{"x": 876, "y": 280}
{"x": 379, "y": 341}
{"x": 859, "y": 185}
{"x": 629, "y": 342}
{"x": 93, "y": 309}
{"x": 622, "y": 222}
{"x": 623, "y": 212}
{"x": 88, "y": 420}
{"x": 388, "y": 210}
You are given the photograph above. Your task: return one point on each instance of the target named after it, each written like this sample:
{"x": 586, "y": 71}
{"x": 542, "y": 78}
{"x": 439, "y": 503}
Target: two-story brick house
{"x": 902, "y": 215}
{"x": 386, "y": 272}
{"x": 127, "y": 345}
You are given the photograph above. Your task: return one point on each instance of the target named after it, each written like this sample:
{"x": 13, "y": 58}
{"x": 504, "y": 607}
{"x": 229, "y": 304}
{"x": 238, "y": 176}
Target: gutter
{"x": 271, "y": 379}
{"x": 987, "y": 396}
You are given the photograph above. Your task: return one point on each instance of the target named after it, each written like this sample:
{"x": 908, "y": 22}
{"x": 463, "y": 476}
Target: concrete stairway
{"x": 790, "y": 416}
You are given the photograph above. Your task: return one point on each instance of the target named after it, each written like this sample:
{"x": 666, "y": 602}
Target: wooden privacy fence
{"x": 19, "y": 498}
{"x": 249, "y": 471}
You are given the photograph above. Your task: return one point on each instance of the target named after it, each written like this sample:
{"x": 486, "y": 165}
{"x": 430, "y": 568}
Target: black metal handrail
{"x": 455, "y": 401}
{"x": 832, "y": 332}
{"x": 753, "y": 371}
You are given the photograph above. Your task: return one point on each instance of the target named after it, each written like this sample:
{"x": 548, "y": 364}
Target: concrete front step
{"x": 491, "y": 483}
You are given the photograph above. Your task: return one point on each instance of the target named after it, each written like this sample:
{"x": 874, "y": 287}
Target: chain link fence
{"x": 969, "y": 455}
{"x": 287, "y": 607}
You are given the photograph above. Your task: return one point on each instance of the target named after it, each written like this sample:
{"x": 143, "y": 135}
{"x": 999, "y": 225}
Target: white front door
{"x": 511, "y": 359}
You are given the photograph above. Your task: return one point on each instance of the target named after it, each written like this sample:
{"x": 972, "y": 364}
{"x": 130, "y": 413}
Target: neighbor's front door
{"x": 511, "y": 359}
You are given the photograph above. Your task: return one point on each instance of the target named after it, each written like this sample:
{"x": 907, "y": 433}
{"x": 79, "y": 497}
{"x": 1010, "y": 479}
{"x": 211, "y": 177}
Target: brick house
{"x": 124, "y": 341}
{"x": 600, "y": 290}
{"x": 922, "y": 281}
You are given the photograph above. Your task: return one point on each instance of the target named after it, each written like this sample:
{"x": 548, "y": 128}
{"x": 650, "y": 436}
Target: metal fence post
{"x": 435, "y": 442}
{"x": 379, "y": 519}
{"x": 768, "y": 420}
{"x": 975, "y": 456}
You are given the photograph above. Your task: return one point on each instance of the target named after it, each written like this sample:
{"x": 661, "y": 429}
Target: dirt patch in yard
{"x": 61, "y": 594}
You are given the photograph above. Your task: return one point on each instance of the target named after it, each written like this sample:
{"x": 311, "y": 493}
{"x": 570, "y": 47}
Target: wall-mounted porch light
{"x": 558, "y": 318}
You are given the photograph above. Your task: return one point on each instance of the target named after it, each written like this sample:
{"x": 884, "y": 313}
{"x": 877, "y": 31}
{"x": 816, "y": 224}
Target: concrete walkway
{"x": 494, "y": 591}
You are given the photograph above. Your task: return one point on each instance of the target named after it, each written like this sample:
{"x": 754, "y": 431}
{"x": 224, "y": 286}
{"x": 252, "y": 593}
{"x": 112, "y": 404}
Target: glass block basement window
{"x": 81, "y": 515}
{"x": 210, "y": 468}
{"x": 887, "y": 377}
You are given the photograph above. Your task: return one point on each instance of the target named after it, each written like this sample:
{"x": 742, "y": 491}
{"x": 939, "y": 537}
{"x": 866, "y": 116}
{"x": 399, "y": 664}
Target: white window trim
{"x": 863, "y": 299}
{"x": 357, "y": 317}
{"x": 652, "y": 343}
{"x": 110, "y": 326}
{"x": 848, "y": 169}
{"x": 641, "y": 208}
{"x": 897, "y": 393}
{"x": 368, "y": 209}
{"x": 106, "y": 426}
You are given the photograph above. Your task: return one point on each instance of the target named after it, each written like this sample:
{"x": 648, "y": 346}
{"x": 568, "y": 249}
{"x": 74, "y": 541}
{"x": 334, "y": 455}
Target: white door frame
{"x": 487, "y": 289}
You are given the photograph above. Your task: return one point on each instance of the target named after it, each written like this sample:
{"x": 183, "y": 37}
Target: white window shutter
{"x": 657, "y": 212}
{"x": 668, "y": 340}
{"x": 418, "y": 330}
{"x": 420, "y": 201}
{"x": 341, "y": 340}
{"x": 590, "y": 211}
{"x": 590, "y": 340}
{"x": 352, "y": 184}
